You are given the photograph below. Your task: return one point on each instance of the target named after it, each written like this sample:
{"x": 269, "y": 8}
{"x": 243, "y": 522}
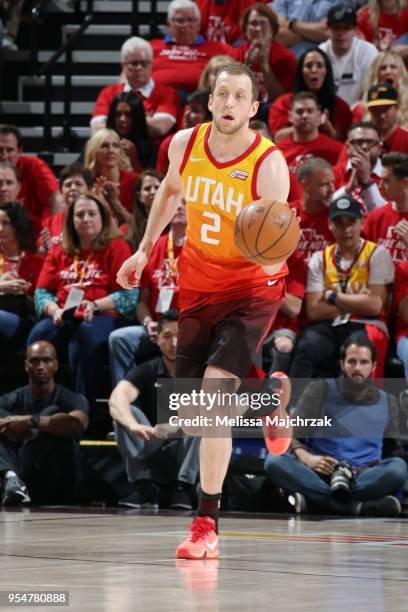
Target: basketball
{"x": 266, "y": 232}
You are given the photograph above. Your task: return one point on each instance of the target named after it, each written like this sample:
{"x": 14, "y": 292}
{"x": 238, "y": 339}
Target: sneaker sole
{"x": 207, "y": 556}
{"x": 15, "y": 499}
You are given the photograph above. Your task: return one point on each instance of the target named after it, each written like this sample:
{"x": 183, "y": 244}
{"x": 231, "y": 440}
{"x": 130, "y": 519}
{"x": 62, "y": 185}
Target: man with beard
{"x": 40, "y": 427}
{"x": 227, "y": 303}
{"x": 339, "y": 467}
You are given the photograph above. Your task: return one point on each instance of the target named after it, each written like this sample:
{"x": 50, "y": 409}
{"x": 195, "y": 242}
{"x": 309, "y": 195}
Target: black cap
{"x": 345, "y": 205}
{"x": 382, "y": 94}
{"x": 341, "y": 14}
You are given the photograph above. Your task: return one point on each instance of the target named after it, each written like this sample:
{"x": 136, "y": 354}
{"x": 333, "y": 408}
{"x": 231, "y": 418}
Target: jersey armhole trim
{"x": 189, "y": 147}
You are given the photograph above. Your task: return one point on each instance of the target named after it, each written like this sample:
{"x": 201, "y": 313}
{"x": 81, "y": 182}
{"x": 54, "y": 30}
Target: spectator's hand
{"x": 130, "y": 272}
{"x": 360, "y": 161}
{"x": 46, "y": 241}
{"x": 14, "y": 285}
{"x": 321, "y": 464}
{"x": 284, "y": 344}
{"x": 402, "y": 230}
{"x": 326, "y": 125}
{"x": 88, "y": 310}
{"x": 353, "y": 182}
{"x": 143, "y": 431}
{"x": 258, "y": 52}
{"x": 152, "y": 330}
{"x": 16, "y": 426}
{"x": 57, "y": 317}
{"x": 131, "y": 151}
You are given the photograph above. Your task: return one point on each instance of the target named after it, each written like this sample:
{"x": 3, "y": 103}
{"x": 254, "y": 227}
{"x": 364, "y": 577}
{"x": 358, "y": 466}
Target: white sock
{"x": 10, "y": 474}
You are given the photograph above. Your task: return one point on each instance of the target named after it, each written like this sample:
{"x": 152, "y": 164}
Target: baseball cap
{"x": 382, "y": 94}
{"x": 341, "y": 14}
{"x": 345, "y": 205}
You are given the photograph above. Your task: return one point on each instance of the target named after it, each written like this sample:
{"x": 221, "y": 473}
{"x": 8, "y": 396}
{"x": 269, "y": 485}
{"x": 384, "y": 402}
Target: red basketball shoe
{"x": 202, "y": 542}
{"x": 278, "y": 437}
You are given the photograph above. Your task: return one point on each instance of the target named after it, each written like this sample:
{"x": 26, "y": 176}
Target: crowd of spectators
{"x": 333, "y": 95}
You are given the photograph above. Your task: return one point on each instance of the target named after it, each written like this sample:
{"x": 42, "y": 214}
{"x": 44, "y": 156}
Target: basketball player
{"x": 227, "y": 304}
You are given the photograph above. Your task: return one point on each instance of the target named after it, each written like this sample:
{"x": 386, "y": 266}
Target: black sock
{"x": 209, "y": 505}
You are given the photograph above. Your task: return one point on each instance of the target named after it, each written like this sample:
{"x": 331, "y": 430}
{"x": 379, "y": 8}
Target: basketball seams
{"x": 241, "y": 229}
{"x": 262, "y": 224}
{"x": 277, "y": 240}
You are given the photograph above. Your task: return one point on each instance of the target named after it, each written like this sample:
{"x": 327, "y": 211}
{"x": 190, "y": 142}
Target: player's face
{"x": 72, "y": 188}
{"x": 137, "y": 68}
{"x": 167, "y": 340}
{"x": 87, "y": 219}
{"x": 384, "y": 117}
{"x": 320, "y": 186}
{"x": 346, "y": 230}
{"x": 9, "y": 186}
{"x": 231, "y": 102}
{"x": 358, "y": 365}
{"x": 364, "y": 140}
{"x": 342, "y": 35}
{"x": 391, "y": 188}
{"x": 9, "y": 148}
{"x": 149, "y": 188}
{"x": 388, "y": 71}
{"x": 314, "y": 71}
{"x": 306, "y": 116}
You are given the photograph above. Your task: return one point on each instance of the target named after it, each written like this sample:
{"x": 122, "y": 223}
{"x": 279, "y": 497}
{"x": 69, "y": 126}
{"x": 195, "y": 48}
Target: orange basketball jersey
{"x": 215, "y": 194}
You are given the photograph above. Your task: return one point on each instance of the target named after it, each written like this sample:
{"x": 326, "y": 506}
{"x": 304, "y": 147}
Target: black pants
{"x": 49, "y": 465}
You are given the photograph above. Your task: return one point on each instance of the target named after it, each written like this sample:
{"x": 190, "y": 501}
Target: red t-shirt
{"x": 93, "y": 271}
{"x": 38, "y": 183}
{"x": 159, "y": 273}
{"x": 127, "y": 188}
{"x": 295, "y": 285}
{"x": 54, "y": 225}
{"x": 297, "y": 152}
{"x": 398, "y": 141}
{"x": 279, "y": 114}
{"x": 400, "y": 292}
{"x": 379, "y": 227}
{"x": 314, "y": 230}
{"x": 162, "y": 163}
{"x": 281, "y": 60}
{"x": 220, "y": 20}
{"x": 389, "y": 27}
{"x": 163, "y": 99}
{"x": 180, "y": 66}
{"x": 27, "y": 268}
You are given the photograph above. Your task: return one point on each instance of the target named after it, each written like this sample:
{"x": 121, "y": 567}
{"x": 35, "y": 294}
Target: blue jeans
{"x": 384, "y": 478}
{"x": 85, "y": 344}
{"x": 127, "y": 345}
{"x": 402, "y": 352}
{"x": 14, "y": 329}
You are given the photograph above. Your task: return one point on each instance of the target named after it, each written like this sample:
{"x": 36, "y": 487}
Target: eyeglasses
{"x": 135, "y": 63}
{"x": 183, "y": 20}
{"x": 368, "y": 142}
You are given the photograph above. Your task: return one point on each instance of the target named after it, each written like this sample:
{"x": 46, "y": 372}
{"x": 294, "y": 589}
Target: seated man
{"x": 306, "y": 141}
{"x": 358, "y": 171}
{"x": 346, "y": 291}
{"x": 39, "y": 192}
{"x": 344, "y": 472}
{"x": 9, "y": 182}
{"x": 159, "y": 101}
{"x": 302, "y": 23}
{"x": 40, "y": 427}
{"x": 181, "y": 56}
{"x": 148, "y": 458}
{"x": 383, "y": 104}
{"x": 388, "y": 225}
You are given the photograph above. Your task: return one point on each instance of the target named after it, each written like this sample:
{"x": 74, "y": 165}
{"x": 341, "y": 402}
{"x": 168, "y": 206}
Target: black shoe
{"x": 181, "y": 497}
{"x": 14, "y": 492}
{"x": 145, "y": 495}
{"x": 298, "y": 502}
{"x": 388, "y": 506}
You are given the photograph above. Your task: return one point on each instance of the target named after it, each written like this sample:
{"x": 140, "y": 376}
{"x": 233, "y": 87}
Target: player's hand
{"x": 130, "y": 272}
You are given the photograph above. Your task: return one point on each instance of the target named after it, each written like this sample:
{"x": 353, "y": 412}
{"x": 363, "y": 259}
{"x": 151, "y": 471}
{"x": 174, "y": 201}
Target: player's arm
{"x": 273, "y": 183}
{"x": 163, "y": 210}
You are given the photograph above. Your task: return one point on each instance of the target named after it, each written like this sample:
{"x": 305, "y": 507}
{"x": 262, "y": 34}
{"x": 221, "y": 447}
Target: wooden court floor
{"x": 122, "y": 561}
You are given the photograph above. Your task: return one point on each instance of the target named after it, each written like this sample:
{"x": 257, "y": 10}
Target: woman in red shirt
{"x": 314, "y": 73}
{"x": 20, "y": 266}
{"x": 382, "y": 22}
{"x": 89, "y": 258}
{"x": 111, "y": 168}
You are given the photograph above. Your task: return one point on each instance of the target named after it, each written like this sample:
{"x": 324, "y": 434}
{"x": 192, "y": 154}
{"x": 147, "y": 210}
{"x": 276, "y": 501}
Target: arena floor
{"x": 122, "y": 561}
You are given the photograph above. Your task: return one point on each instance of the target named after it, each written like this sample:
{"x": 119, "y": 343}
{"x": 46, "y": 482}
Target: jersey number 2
{"x": 214, "y": 227}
